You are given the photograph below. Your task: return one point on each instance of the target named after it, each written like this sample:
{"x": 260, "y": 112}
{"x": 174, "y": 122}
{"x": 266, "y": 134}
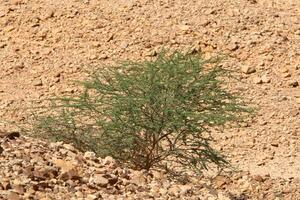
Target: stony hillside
{"x": 47, "y": 45}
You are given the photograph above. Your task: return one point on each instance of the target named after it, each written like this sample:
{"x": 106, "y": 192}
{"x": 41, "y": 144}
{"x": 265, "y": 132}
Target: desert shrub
{"x": 145, "y": 114}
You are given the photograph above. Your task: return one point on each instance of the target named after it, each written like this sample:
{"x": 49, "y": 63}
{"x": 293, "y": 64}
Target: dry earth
{"x": 46, "y": 45}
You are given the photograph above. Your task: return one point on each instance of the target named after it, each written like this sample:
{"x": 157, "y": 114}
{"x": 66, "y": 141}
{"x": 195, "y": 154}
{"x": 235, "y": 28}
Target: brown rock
{"x": 70, "y": 175}
{"x": 248, "y": 69}
{"x": 39, "y": 175}
{"x": 69, "y": 147}
{"x": 65, "y": 166}
{"x": 184, "y": 27}
{"x": 221, "y": 181}
{"x": 261, "y": 163}
{"x": 287, "y": 190}
{"x": 43, "y": 174}
{"x": 93, "y": 57}
{"x": 137, "y": 177}
{"x": 19, "y": 66}
{"x": 9, "y": 28}
{"x": 48, "y": 14}
{"x": 19, "y": 189}
{"x": 185, "y": 189}
{"x": 257, "y": 80}
{"x": 15, "y": 2}
{"x": 131, "y": 188}
{"x": 80, "y": 159}
{"x": 13, "y": 196}
{"x": 258, "y": 178}
{"x": 124, "y": 45}
{"x": 28, "y": 171}
{"x": 91, "y": 197}
{"x": 103, "y": 56}
{"x": 233, "y": 46}
{"x": 90, "y": 155}
{"x": 37, "y": 82}
{"x": 174, "y": 191}
{"x": 110, "y": 162}
{"x": 286, "y": 74}
{"x": 265, "y": 79}
{"x": 99, "y": 180}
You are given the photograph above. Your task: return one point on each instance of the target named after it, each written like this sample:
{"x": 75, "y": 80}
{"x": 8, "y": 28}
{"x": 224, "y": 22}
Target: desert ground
{"x": 47, "y": 45}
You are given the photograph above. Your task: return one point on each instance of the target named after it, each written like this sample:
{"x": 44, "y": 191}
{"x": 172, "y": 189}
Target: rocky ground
{"x": 32, "y": 169}
{"x": 46, "y": 45}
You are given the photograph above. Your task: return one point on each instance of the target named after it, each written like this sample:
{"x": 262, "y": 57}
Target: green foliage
{"x": 148, "y": 113}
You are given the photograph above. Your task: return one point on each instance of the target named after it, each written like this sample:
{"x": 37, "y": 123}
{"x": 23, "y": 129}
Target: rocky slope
{"x": 46, "y": 45}
{"x": 32, "y": 169}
